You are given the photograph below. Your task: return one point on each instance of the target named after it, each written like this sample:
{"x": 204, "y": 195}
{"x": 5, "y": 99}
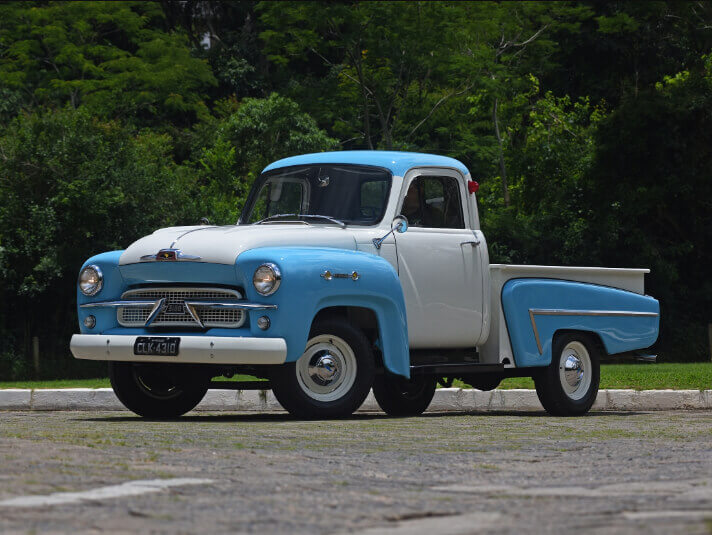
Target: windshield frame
{"x": 260, "y": 181}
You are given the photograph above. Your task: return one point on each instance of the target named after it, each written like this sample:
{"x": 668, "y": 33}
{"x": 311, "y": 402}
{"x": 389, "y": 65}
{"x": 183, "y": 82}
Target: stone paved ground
{"x": 436, "y": 474}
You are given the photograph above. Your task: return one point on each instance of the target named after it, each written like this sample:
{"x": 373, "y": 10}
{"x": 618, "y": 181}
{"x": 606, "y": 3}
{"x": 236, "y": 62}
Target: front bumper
{"x": 193, "y": 349}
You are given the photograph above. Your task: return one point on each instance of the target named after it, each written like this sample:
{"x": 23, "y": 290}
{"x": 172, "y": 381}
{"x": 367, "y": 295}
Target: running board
{"x": 456, "y": 368}
{"x": 240, "y": 385}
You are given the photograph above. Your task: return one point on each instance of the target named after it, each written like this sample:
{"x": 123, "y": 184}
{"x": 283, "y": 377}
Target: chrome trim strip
{"x": 561, "y": 312}
{"x": 223, "y": 304}
{"x": 190, "y": 307}
{"x": 155, "y": 311}
{"x": 211, "y": 304}
{"x": 119, "y": 304}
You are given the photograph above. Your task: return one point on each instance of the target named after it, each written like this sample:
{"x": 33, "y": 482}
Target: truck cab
{"x": 350, "y": 271}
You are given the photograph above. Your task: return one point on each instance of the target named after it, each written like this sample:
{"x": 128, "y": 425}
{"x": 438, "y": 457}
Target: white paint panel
{"x": 440, "y": 272}
{"x": 222, "y": 245}
{"x": 131, "y": 488}
{"x": 192, "y": 349}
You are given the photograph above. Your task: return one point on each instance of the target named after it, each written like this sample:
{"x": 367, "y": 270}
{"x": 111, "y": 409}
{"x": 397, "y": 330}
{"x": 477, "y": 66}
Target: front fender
{"x": 304, "y": 292}
{"x": 111, "y": 289}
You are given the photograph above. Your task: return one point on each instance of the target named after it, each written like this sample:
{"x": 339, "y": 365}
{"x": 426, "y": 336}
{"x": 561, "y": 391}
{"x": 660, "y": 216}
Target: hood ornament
{"x": 169, "y": 255}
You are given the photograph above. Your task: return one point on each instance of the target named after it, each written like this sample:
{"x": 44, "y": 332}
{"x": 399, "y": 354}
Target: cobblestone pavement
{"x": 439, "y": 474}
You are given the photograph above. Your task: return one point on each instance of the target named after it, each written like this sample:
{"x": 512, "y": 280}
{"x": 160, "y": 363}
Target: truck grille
{"x": 175, "y": 314}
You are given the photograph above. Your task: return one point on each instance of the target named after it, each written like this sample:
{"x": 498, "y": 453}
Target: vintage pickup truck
{"x": 350, "y": 271}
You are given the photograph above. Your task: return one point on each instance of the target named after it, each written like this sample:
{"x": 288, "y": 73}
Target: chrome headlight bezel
{"x": 91, "y": 288}
{"x": 259, "y": 282}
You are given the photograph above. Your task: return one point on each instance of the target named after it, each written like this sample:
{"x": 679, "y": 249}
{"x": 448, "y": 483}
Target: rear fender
{"x": 535, "y": 309}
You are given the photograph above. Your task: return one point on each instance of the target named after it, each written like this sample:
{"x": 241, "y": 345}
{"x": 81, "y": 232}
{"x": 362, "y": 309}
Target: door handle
{"x": 471, "y": 242}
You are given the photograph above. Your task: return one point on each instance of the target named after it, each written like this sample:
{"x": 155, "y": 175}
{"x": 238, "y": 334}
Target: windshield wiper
{"x": 303, "y": 216}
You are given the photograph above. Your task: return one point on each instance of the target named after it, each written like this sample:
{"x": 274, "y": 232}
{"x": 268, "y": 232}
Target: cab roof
{"x": 398, "y": 163}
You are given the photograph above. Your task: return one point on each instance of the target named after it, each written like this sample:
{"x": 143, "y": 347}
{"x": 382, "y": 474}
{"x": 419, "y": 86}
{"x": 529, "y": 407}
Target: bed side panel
{"x": 535, "y": 309}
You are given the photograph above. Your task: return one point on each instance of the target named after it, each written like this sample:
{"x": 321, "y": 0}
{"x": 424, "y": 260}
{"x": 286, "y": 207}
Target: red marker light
{"x": 472, "y": 186}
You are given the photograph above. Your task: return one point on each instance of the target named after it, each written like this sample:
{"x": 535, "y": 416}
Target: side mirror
{"x": 399, "y": 225}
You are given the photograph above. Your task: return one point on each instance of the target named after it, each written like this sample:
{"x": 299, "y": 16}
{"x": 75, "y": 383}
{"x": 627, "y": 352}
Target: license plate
{"x": 165, "y": 346}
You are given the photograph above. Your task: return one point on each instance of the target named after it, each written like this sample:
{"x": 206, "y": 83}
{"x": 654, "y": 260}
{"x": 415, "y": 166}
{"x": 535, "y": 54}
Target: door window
{"x": 434, "y": 202}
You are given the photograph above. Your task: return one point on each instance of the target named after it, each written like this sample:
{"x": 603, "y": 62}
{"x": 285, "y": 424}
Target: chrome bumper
{"x": 193, "y": 349}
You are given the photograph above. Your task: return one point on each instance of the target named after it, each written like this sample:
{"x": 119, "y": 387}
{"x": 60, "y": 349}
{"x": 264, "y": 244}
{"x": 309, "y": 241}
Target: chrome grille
{"x": 180, "y": 317}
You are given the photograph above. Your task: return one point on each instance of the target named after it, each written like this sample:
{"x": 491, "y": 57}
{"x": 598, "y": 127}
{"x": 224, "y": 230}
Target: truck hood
{"x": 222, "y": 245}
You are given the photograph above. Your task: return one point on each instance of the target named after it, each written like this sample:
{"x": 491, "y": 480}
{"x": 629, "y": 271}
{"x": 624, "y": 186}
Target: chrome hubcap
{"x": 327, "y": 369}
{"x": 324, "y": 368}
{"x": 573, "y": 372}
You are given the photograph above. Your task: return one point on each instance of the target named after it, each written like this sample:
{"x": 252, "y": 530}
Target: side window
{"x": 434, "y": 202}
{"x": 278, "y": 197}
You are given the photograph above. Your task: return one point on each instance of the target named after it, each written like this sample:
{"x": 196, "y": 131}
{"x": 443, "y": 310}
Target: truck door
{"x": 438, "y": 261}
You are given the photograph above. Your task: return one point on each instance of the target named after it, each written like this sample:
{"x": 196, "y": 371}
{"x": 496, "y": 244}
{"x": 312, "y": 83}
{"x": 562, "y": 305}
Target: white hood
{"x": 222, "y": 245}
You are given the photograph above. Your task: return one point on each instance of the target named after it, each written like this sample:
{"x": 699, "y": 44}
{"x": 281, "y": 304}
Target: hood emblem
{"x": 168, "y": 255}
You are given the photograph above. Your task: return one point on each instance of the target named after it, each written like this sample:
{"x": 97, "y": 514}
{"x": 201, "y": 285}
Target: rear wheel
{"x": 569, "y": 385}
{"x": 332, "y": 377}
{"x": 157, "y": 390}
{"x": 398, "y": 396}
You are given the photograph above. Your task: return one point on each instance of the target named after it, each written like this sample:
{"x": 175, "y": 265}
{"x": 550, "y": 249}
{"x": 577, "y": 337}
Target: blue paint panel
{"x": 398, "y": 163}
{"x": 304, "y": 292}
{"x": 618, "y": 333}
{"x": 112, "y": 289}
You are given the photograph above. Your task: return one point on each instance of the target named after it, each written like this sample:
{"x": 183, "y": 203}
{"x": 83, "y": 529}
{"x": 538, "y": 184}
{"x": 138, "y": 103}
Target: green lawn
{"x": 683, "y": 376}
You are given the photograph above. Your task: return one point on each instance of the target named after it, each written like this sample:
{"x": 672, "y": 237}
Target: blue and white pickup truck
{"x": 351, "y": 271}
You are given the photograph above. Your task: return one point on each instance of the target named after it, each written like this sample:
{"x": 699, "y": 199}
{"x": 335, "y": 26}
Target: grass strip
{"x": 682, "y": 376}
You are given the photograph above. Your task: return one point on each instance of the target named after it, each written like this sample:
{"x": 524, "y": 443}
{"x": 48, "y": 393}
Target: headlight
{"x": 267, "y": 279}
{"x": 91, "y": 280}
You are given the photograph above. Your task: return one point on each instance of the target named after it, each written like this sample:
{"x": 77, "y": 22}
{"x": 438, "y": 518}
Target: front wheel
{"x": 569, "y": 385}
{"x": 157, "y": 390}
{"x": 332, "y": 377}
{"x": 398, "y": 396}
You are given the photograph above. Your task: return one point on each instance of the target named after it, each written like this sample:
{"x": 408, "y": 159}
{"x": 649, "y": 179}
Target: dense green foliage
{"x": 587, "y": 124}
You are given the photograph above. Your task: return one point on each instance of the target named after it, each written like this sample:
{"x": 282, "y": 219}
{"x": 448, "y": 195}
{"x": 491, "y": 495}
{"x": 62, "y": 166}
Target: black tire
{"x": 334, "y": 347}
{"x": 554, "y": 386}
{"x": 157, "y": 390}
{"x": 483, "y": 381}
{"x": 398, "y": 396}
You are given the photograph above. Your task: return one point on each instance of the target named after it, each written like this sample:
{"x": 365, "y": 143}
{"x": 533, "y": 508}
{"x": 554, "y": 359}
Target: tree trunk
{"x": 502, "y": 167}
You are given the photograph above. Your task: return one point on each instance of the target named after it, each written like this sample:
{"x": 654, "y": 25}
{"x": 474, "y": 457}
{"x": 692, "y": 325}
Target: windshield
{"x": 352, "y": 194}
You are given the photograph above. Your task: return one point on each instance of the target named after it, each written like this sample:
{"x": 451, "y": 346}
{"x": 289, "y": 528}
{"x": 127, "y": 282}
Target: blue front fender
{"x": 304, "y": 292}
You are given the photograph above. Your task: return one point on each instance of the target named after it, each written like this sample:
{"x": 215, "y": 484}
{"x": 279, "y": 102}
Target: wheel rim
{"x": 327, "y": 369}
{"x": 575, "y": 370}
{"x": 156, "y": 384}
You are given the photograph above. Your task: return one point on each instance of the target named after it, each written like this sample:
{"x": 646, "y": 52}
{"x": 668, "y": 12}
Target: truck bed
{"x": 497, "y": 348}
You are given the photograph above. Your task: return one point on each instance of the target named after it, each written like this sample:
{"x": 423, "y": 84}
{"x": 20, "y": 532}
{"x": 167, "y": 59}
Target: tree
{"x": 256, "y": 133}
{"x": 113, "y": 57}
{"x": 73, "y": 186}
